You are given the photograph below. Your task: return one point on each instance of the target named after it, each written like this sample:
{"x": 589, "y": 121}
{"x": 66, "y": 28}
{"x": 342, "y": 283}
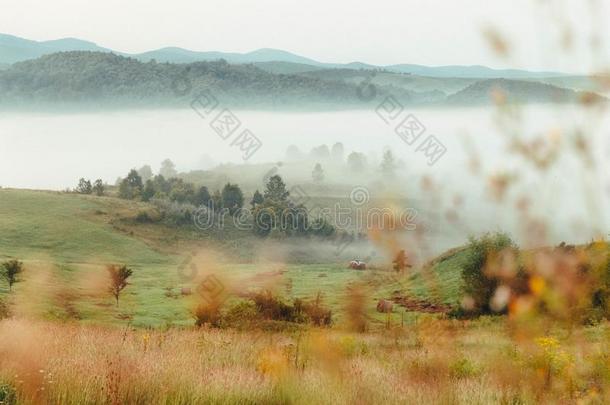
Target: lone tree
{"x": 400, "y": 261}
{"x": 388, "y": 164}
{"x": 84, "y": 187}
{"x": 356, "y": 162}
{"x": 168, "y": 169}
{"x": 98, "y": 187}
{"x": 118, "y": 280}
{"x": 232, "y": 197}
{"x": 145, "y": 173}
{"x": 202, "y": 197}
{"x": 276, "y": 190}
{"x": 10, "y": 272}
{"x": 257, "y": 199}
{"x": 318, "y": 173}
{"x": 337, "y": 152}
{"x": 131, "y": 187}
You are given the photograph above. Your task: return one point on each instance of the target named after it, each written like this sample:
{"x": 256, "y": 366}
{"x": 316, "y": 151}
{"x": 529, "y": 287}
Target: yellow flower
{"x": 145, "y": 340}
{"x": 537, "y": 285}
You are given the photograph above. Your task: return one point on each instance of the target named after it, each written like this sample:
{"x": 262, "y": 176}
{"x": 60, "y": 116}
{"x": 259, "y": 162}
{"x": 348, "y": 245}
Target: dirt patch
{"x": 411, "y": 304}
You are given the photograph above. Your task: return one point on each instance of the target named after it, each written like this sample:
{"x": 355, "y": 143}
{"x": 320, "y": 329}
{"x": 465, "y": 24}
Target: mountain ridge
{"x": 103, "y": 78}
{"x": 16, "y": 49}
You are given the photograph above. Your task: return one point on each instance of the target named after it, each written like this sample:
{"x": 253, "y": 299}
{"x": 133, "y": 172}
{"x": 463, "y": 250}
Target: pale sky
{"x": 430, "y": 32}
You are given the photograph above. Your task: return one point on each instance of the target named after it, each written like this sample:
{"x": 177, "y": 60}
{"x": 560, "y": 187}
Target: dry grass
{"x": 434, "y": 361}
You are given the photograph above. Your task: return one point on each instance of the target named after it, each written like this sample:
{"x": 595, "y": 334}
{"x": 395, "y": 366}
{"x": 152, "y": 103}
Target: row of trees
{"x": 321, "y": 152}
{"x": 175, "y": 189}
{"x": 356, "y": 161}
{"x": 272, "y": 210}
{"x": 358, "y": 164}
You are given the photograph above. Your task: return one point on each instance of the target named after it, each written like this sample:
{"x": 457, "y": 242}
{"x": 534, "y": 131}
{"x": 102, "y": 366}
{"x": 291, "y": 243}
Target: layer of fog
{"x": 49, "y": 151}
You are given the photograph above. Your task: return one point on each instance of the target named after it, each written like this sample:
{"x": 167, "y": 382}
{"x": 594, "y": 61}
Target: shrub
{"x": 146, "y": 217}
{"x": 266, "y": 311}
{"x": 174, "y": 213}
{"x": 317, "y": 313}
{"x": 271, "y": 307}
{"x": 478, "y": 285}
{"x": 322, "y": 228}
{"x": 207, "y": 314}
{"x": 463, "y": 368}
{"x": 241, "y": 315}
{"x": 599, "y": 268}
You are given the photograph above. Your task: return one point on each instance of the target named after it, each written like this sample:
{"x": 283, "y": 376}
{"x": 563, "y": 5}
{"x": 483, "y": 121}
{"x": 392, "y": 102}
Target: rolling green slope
{"x": 71, "y": 238}
{"x": 60, "y": 226}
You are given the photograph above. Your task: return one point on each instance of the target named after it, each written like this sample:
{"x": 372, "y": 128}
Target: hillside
{"x": 107, "y": 78}
{"x": 82, "y": 78}
{"x": 71, "y": 77}
{"x": 514, "y": 91}
{"x": 70, "y": 237}
{"x": 469, "y": 72}
{"x": 431, "y": 89}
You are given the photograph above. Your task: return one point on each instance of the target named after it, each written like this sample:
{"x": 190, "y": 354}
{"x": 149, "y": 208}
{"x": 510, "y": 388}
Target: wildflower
{"x": 547, "y": 343}
{"x": 145, "y": 340}
{"x": 537, "y": 285}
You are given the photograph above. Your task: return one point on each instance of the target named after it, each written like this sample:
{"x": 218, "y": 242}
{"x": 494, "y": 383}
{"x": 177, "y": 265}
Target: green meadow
{"x": 71, "y": 238}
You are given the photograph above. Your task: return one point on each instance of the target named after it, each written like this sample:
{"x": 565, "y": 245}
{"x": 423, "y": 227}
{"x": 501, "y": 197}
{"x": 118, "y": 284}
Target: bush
{"x": 463, "y": 368}
{"x": 478, "y": 285}
{"x": 242, "y": 314}
{"x": 271, "y": 307}
{"x": 146, "y": 217}
{"x": 207, "y": 314}
{"x": 174, "y": 213}
{"x": 264, "y": 311}
{"x": 316, "y": 312}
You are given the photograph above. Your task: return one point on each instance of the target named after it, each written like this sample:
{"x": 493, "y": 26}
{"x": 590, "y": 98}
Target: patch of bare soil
{"x": 411, "y": 304}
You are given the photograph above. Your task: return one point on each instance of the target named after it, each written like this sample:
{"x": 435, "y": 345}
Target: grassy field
{"x": 67, "y": 342}
{"x": 426, "y": 362}
{"x": 66, "y": 240}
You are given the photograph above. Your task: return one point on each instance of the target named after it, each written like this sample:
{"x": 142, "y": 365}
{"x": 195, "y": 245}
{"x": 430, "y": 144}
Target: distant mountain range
{"x": 96, "y": 79}
{"x": 14, "y": 49}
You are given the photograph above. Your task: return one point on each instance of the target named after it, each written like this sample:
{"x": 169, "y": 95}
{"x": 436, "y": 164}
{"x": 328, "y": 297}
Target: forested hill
{"x": 88, "y": 78}
{"x": 81, "y": 76}
{"x": 485, "y": 91}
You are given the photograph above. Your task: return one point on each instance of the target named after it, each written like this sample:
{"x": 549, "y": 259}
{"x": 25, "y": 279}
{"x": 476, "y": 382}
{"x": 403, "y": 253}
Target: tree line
{"x": 271, "y": 211}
